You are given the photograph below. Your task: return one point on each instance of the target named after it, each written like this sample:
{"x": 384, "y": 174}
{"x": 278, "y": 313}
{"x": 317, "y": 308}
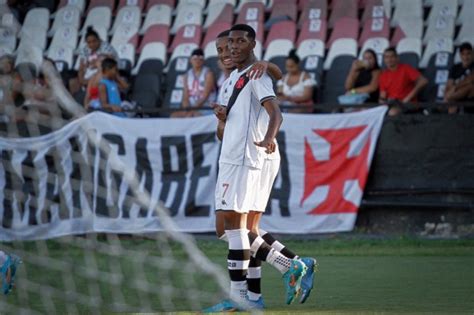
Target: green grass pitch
{"x": 355, "y": 276}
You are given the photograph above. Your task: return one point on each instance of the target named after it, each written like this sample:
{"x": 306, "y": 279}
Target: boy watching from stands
{"x": 460, "y": 86}
{"x": 109, "y": 85}
{"x": 399, "y": 82}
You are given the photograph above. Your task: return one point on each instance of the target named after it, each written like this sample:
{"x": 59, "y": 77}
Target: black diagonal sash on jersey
{"x": 238, "y": 87}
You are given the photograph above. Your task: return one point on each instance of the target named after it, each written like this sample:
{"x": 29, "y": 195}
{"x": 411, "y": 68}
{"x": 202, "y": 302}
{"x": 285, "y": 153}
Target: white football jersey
{"x": 247, "y": 120}
{"x": 224, "y": 92}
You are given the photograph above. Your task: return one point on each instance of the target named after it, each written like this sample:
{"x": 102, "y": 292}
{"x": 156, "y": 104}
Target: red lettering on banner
{"x": 335, "y": 171}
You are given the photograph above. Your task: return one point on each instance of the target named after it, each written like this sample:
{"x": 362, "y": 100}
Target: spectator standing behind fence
{"x": 296, "y": 86}
{"x": 89, "y": 62}
{"x": 460, "y": 86}
{"x": 199, "y": 87}
{"x": 109, "y": 88}
{"x": 362, "y": 82}
{"x": 399, "y": 82}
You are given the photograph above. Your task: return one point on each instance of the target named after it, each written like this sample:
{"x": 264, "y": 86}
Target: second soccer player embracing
{"x": 249, "y": 119}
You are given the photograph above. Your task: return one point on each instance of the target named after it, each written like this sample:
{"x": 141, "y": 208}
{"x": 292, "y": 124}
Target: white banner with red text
{"x": 62, "y": 184}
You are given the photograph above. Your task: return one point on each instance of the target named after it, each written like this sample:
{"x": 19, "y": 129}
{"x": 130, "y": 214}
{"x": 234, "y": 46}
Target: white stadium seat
{"x": 310, "y": 47}
{"x": 66, "y": 16}
{"x": 341, "y": 47}
{"x": 29, "y": 54}
{"x": 151, "y": 51}
{"x": 157, "y": 14}
{"x": 36, "y": 18}
{"x": 442, "y": 27}
{"x": 187, "y": 15}
{"x": 434, "y": 46}
{"x": 407, "y": 8}
{"x": 61, "y": 53}
{"x": 66, "y": 36}
{"x": 127, "y": 16}
{"x": 98, "y": 17}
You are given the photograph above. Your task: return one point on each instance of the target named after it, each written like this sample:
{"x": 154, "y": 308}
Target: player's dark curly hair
{"x": 224, "y": 34}
{"x": 246, "y": 28}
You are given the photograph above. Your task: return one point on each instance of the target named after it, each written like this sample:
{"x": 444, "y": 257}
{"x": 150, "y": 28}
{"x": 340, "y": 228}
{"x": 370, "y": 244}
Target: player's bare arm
{"x": 220, "y": 130}
{"x": 274, "y": 124}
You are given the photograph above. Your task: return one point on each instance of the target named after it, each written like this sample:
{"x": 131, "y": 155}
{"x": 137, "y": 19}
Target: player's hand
{"x": 257, "y": 70}
{"x": 220, "y": 111}
{"x": 269, "y": 145}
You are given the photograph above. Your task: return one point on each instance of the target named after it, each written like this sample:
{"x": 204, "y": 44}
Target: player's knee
{"x": 220, "y": 232}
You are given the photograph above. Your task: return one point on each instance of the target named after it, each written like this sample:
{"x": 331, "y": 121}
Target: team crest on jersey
{"x": 240, "y": 83}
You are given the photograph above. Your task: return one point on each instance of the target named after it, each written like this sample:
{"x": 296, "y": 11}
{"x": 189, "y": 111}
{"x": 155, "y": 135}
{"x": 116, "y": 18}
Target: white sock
{"x": 279, "y": 261}
{"x": 239, "y": 246}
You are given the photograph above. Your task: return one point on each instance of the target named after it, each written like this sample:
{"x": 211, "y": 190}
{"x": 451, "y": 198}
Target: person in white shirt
{"x": 253, "y": 119}
{"x": 267, "y": 177}
{"x": 199, "y": 86}
{"x": 297, "y": 87}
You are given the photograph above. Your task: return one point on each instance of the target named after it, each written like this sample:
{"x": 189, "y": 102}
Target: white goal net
{"x": 89, "y": 272}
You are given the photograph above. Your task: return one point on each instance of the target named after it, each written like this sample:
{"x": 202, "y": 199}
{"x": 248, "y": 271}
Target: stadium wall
{"x": 422, "y": 177}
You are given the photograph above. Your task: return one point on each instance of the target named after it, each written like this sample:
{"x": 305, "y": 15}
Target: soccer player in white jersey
{"x": 270, "y": 170}
{"x": 252, "y": 122}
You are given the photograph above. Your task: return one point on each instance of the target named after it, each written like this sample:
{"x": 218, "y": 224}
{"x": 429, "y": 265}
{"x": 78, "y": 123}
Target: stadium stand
{"x": 374, "y": 28}
{"x": 65, "y": 36}
{"x": 155, "y": 33}
{"x": 345, "y": 27}
{"x": 101, "y": 3}
{"x": 187, "y": 15}
{"x": 62, "y": 56}
{"x": 311, "y": 53}
{"x": 409, "y": 51}
{"x": 407, "y": 9}
{"x": 151, "y": 3}
{"x": 408, "y": 27}
{"x": 220, "y": 12}
{"x": 187, "y": 34}
{"x": 337, "y": 65}
{"x": 159, "y": 14}
{"x": 127, "y": 16}
{"x": 136, "y": 3}
{"x": 137, "y": 29}
{"x": 342, "y": 9}
{"x": 313, "y": 10}
{"x": 98, "y": 17}
{"x": 284, "y": 9}
{"x": 177, "y": 66}
{"x": 66, "y": 16}
{"x": 36, "y": 18}
{"x": 313, "y": 29}
{"x": 436, "y": 62}
{"x": 80, "y": 4}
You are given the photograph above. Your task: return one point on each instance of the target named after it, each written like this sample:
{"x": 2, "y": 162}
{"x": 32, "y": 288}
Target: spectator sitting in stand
{"x": 89, "y": 62}
{"x": 362, "y": 83}
{"x": 296, "y": 86}
{"x": 399, "y": 82}
{"x": 109, "y": 85}
{"x": 460, "y": 86}
{"x": 91, "y": 100}
{"x": 199, "y": 87}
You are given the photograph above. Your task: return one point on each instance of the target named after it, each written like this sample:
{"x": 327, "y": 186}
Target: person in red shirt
{"x": 399, "y": 82}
